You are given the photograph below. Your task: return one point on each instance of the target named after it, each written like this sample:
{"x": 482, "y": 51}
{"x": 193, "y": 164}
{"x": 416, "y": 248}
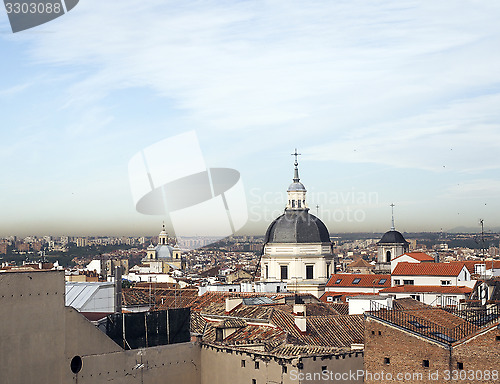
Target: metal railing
{"x": 408, "y": 319}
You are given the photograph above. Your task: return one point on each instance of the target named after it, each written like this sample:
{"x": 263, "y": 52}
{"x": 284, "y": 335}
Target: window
{"x": 425, "y": 363}
{"x": 254, "y": 381}
{"x": 293, "y": 203}
{"x": 387, "y": 361}
{"x": 218, "y": 334}
{"x": 415, "y": 297}
{"x": 460, "y": 365}
{"x": 379, "y": 333}
{"x": 397, "y": 281}
{"x": 408, "y": 282}
{"x": 284, "y": 272}
{"x": 445, "y": 282}
{"x": 416, "y": 324}
{"x": 242, "y": 363}
{"x": 330, "y": 298}
{"x": 338, "y": 281}
{"x": 327, "y": 269}
{"x": 256, "y": 365}
{"x": 267, "y": 271}
{"x": 283, "y": 369}
{"x": 309, "y": 272}
{"x": 373, "y": 332}
{"x": 388, "y": 256}
{"x": 382, "y": 281}
{"x": 498, "y": 338}
{"x": 356, "y": 280}
{"x": 299, "y": 203}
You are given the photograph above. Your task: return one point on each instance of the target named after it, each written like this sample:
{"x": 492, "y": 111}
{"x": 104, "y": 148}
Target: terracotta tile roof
{"x": 198, "y": 323}
{"x": 408, "y": 303}
{"x": 306, "y": 350}
{"x": 252, "y": 334}
{"x": 365, "y": 280}
{"x": 220, "y": 297}
{"x": 427, "y": 289}
{"x": 331, "y": 331}
{"x": 159, "y": 299}
{"x": 427, "y": 269}
{"x": 420, "y": 256}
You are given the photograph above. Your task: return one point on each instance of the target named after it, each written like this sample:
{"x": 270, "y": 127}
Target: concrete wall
{"x": 226, "y": 367}
{"x": 39, "y": 337}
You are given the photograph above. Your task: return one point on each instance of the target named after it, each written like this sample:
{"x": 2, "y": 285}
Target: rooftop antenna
{"x": 317, "y": 210}
{"x": 481, "y": 223}
{"x": 392, "y": 208}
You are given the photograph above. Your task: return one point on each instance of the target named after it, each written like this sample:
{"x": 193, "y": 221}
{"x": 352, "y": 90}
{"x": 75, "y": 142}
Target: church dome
{"x": 297, "y": 227}
{"x": 391, "y": 237}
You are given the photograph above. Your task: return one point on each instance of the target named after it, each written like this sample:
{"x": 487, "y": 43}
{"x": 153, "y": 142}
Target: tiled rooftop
{"x": 427, "y": 289}
{"x": 353, "y": 280}
{"x": 427, "y": 269}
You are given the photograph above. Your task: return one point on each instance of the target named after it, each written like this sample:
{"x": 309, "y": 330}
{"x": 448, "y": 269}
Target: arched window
{"x": 388, "y": 256}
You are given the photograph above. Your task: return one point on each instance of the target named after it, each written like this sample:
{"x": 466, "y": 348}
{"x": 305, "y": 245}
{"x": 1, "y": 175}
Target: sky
{"x": 387, "y": 102}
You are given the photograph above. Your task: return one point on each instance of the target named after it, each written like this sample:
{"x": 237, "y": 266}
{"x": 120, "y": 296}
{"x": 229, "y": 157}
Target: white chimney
{"x": 299, "y": 311}
{"x": 232, "y": 302}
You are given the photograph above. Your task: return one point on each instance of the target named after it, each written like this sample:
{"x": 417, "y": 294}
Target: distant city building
{"x": 81, "y": 242}
{"x": 163, "y": 257}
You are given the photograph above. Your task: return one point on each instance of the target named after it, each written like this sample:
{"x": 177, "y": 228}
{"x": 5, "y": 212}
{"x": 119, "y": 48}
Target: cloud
{"x": 393, "y": 81}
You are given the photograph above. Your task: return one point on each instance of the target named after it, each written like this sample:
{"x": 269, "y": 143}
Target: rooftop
{"x": 427, "y": 269}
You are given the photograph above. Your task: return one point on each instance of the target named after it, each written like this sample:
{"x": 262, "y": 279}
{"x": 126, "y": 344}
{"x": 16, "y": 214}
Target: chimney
{"x": 299, "y": 311}
{"x": 232, "y": 302}
{"x": 118, "y": 289}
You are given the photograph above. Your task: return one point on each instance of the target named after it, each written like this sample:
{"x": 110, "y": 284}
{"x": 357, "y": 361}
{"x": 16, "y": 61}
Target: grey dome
{"x": 163, "y": 251}
{"x": 297, "y": 227}
{"x": 296, "y": 186}
{"x": 391, "y": 237}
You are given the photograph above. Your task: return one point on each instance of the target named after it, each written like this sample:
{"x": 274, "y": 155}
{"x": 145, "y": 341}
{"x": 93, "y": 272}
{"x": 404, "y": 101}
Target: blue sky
{"x": 388, "y": 101}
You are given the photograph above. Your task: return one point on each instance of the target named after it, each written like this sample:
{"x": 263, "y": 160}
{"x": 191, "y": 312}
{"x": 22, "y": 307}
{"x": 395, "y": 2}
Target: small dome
{"x": 297, "y": 227}
{"x": 391, "y": 237}
{"x": 296, "y": 186}
{"x": 163, "y": 251}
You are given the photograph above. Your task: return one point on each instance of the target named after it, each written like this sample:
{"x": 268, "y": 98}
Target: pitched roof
{"x": 427, "y": 269}
{"x": 365, "y": 280}
{"x": 427, "y": 289}
{"x": 420, "y": 256}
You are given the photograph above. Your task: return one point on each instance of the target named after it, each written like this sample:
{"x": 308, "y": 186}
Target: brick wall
{"x": 406, "y": 353}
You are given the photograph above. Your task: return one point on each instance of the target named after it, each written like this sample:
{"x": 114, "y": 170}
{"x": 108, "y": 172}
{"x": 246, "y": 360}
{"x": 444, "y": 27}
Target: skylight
{"x": 416, "y": 324}
{"x": 356, "y": 280}
{"x": 338, "y": 281}
{"x": 382, "y": 281}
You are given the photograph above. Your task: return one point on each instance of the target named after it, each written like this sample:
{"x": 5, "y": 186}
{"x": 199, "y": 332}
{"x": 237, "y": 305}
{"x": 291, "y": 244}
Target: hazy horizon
{"x": 388, "y": 102}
